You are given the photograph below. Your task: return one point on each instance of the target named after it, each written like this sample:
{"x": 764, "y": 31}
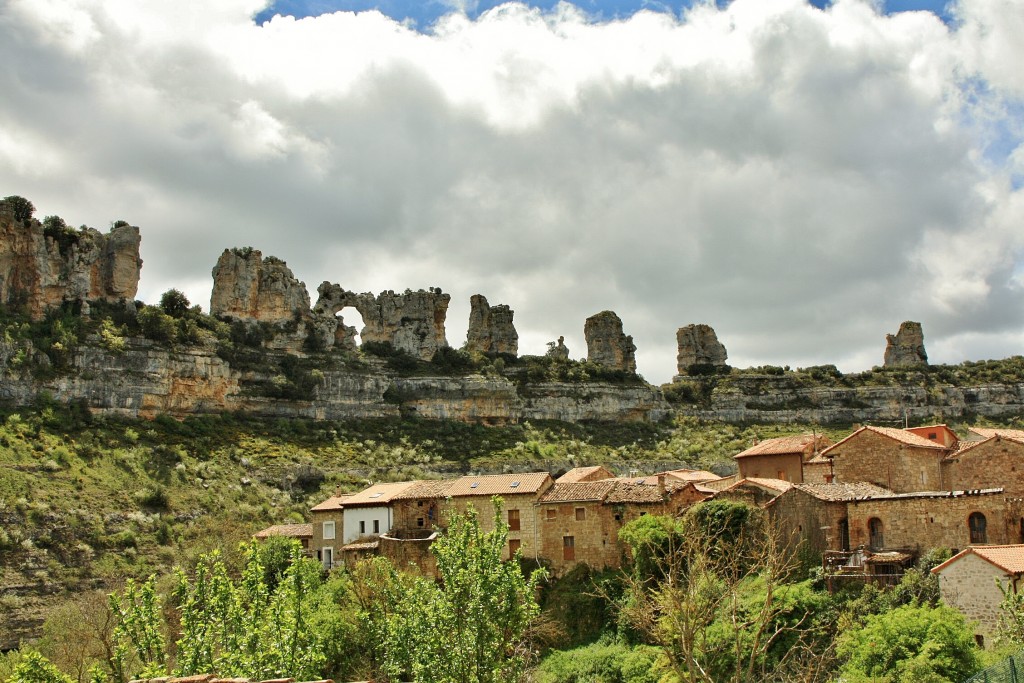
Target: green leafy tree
{"x": 35, "y": 668}
{"x": 910, "y": 644}
{"x": 174, "y": 303}
{"x": 471, "y": 629}
{"x": 21, "y": 208}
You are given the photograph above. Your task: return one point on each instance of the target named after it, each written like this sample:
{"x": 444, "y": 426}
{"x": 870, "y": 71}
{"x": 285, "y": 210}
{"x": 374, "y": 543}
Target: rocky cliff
{"x": 607, "y": 344}
{"x": 490, "y": 328}
{"x": 698, "y": 345}
{"x": 906, "y": 347}
{"x": 251, "y": 288}
{"x": 42, "y": 267}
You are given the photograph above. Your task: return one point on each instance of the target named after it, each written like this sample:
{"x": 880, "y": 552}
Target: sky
{"x": 801, "y": 177}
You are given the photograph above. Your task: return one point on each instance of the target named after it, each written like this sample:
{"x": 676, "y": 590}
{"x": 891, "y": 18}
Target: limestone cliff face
{"x": 906, "y": 347}
{"x": 412, "y": 322}
{"x": 607, "y": 344}
{"x": 251, "y": 288}
{"x": 698, "y": 345}
{"x": 490, "y": 328}
{"x": 41, "y": 271}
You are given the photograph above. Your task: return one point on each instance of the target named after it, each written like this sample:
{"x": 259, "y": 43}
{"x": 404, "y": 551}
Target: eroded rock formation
{"x": 490, "y": 328}
{"x": 698, "y": 345}
{"x": 412, "y": 322}
{"x": 558, "y": 350}
{"x": 906, "y": 347}
{"x": 251, "y": 288}
{"x": 607, "y": 344}
{"x": 41, "y": 268}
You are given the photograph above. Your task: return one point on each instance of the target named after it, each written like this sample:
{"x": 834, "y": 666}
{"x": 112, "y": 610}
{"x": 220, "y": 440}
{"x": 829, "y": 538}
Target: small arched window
{"x": 876, "y": 537}
{"x": 978, "y": 526}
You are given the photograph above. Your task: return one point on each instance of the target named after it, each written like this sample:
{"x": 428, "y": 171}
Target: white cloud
{"x": 801, "y": 179}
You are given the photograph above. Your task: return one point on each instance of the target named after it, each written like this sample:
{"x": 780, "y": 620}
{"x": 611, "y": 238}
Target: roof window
{"x": 474, "y": 484}
{"x": 514, "y": 484}
{"x": 377, "y": 495}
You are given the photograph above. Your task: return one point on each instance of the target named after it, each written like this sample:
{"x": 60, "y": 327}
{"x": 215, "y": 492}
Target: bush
{"x": 157, "y": 325}
{"x": 21, "y": 208}
{"x": 174, "y": 303}
{"x": 602, "y": 663}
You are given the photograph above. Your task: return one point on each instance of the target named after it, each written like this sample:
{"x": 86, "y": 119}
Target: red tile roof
{"x": 1009, "y": 558}
{"x": 900, "y": 435}
{"x": 578, "y": 491}
{"x": 332, "y": 503}
{"x": 692, "y": 475}
{"x": 291, "y": 530}
{"x": 625, "y": 491}
{"x": 777, "y": 485}
{"x": 1011, "y": 434}
{"x": 429, "y": 488}
{"x": 499, "y": 484}
{"x": 378, "y": 494}
{"x": 591, "y": 473}
{"x": 836, "y": 492}
{"x": 784, "y": 445}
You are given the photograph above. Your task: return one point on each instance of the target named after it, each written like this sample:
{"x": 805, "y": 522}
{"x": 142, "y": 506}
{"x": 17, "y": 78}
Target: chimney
{"x": 661, "y": 484}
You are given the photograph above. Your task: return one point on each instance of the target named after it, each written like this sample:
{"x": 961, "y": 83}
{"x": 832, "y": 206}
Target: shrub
{"x": 174, "y": 303}
{"x": 21, "y": 208}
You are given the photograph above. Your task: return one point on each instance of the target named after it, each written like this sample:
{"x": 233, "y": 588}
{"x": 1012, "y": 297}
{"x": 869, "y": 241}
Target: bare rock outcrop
{"x": 698, "y": 345}
{"x": 490, "y": 328}
{"x": 43, "y": 267}
{"x": 558, "y": 350}
{"x": 906, "y": 347}
{"x": 412, "y": 322}
{"x": 251, "y": 288}
{"x": 607, "y": 345}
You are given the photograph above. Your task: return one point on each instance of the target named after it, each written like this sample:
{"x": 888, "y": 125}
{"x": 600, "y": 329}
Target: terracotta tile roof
{"x": 498, "y": 484}
{"x": 987, "y": 433}
{"x": 378, "y": 494}
{"x": 361, "y": 545}
{"x": 783, "y": 445}
{"x": 292, "y": 530}
{"x": 429, "y": 488}
{"x": 692, "y": 475}
{"x": 776, "y": 485}
{"x": 591, "y": 473}
{"x": 900, "y": 435}
{"x": 723, "y": 483}
{"x": 837, "y": 492}
{"x": 963, "y": 447}
{"x": 578, "y": 491}
{"x": 332, "y": 503}
{"x": 628, "y": 491}
{"x": 1009, "y": 558}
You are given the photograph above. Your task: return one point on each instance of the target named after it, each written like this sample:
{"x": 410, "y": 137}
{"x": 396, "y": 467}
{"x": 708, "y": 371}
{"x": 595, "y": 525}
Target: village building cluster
{"x": 868, "y": 505}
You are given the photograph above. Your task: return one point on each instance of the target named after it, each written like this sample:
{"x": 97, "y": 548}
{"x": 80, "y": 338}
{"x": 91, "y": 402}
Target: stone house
{"x": 576, "y": 526}
{"x": 327, "y": 523}
{"x": 368, "y": 513}
{"x": 896, "y": 459}
{"x": 814, "y": 517}
{"x": 781, "y": 458}
{"x": 755, "y": 490}
{"x": 971, "y": 581}
{"x": 996, "y": 460}
{"x": 303, "y": 533}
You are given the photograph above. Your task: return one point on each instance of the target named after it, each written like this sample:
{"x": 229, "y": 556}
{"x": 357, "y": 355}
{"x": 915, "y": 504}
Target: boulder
{"x": 251, "y": 288}
{"x": 412, "y": 322}
{"x": 490, "y": 328}
{"x": 906, "y": 347}
{"x": 43, "y": 268}
{"x": 698, "y": 345}
{"x": 607, "y": 345}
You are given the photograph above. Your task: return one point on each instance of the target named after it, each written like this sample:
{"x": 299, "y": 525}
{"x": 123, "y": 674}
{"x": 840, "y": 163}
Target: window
{"x": 327, "y": 557}
{"x": 568, "y": 548}
{"x": 781, "y": 474}
{"x": 362, "y": 528}
{"x": 420, "y": 521}
{"x": 581, "y": 514}
{"x": 934, "y": 436}
{"x": 513, "y": 520}
{"x": 978, "y": 526}
{"x": 376, "y": 526}
{"x": 513, "y": 546}
{"x": 876, "y": 537}
{"x": 551, "y": 513}
{"x": 844, "y": 534}
{"x": 328, "y": 531}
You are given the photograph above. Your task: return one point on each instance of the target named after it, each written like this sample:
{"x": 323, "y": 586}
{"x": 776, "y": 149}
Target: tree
{"x": 472, "y": 628}
{"x": 174, "y": 303}
{"x": 21, "y": 208}
{"x": 35, "y": 668}
{"x": 910, "y": 644}
{"x": 711, "y": 590}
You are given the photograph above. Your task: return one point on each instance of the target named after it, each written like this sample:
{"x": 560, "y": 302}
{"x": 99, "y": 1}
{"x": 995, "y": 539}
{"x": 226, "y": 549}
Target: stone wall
{"x": 318, "y": 542}
{"x": 785, "y": 466}
{"x": 996, "y": 463}
{"x": 808, "y": 524}
{"x": 921, "y": 522}
{"x": 526, "y": 504}
{"x": 591, "y": 525}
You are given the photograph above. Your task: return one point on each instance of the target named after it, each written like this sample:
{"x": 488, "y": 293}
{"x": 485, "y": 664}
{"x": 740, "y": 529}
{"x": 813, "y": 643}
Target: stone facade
{"x": 525, "y": 505}
{"x": 698, "y": 345}
{"x": 876, "y": 455}
{"x": 575, "y": 532}
{"x": 490, "y": 328}
{"x": 251, "y": 288}
{"x": 607, "y": 345}
{"x": 412, "y": 322}
{"x": 920, "y": 521}
{"x": 330, "y": 516}
{"x": 973, "y": 584}
{"x": 993, "y": 463}
{"x": 40, "y": 271}
{"x": 814, "y": 522}
{"x": 906, "y": 347}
